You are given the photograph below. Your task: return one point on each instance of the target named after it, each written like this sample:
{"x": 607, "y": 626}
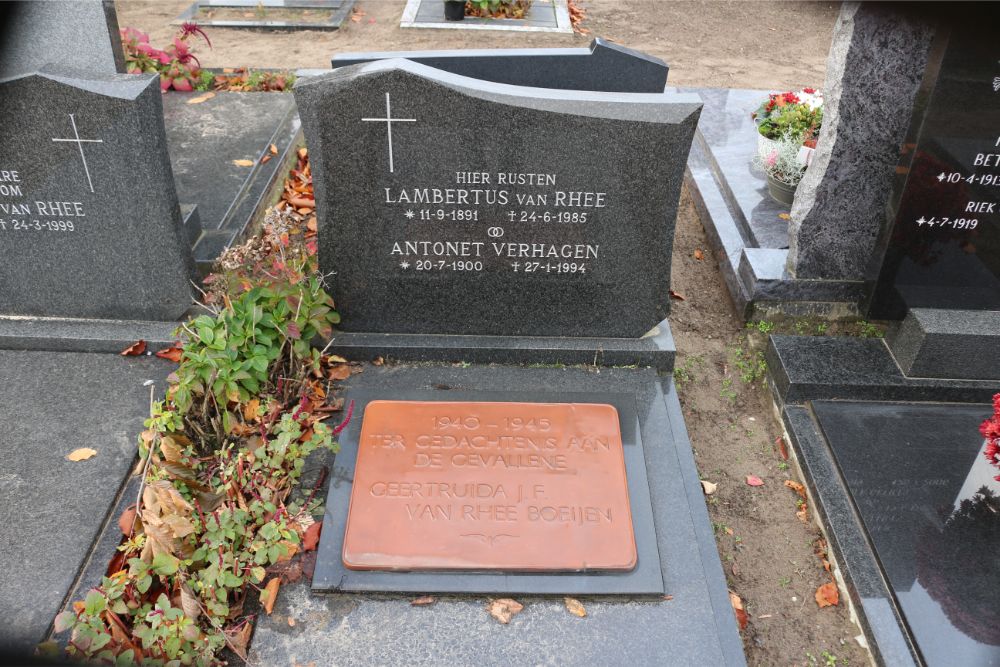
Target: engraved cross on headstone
{"x": 79, "y": 143}
{"x": 389, "y": 120}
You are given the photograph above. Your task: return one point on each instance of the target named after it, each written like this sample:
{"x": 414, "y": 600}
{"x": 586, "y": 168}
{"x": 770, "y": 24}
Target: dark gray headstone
{"x": 89, "y": 220}
{"x": 874, "y": 72}
{"x": 82, "y": 34}
{"x": 603, "y": 66}
{"x": 483, "y": 208}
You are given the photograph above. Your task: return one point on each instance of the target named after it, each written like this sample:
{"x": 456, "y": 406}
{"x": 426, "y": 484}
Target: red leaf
{"x": 171, "y": 353}
{"x": 782, "y": 449}
{"x": 135, "y": 349}
{"x": 126, "y": 520}
{"x": 311, "y": 538}
{"x": 754, "y": 480}
{"x": 676, "y": 295}
{"x": 827, "y": 595}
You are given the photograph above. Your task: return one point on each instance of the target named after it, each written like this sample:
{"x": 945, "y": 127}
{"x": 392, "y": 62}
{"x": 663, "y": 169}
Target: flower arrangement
{"x": 782, "y": 162}
{"x": 799, "y": 114}
{"x": 991, "y": 431}
{"x": 177, "y": 65}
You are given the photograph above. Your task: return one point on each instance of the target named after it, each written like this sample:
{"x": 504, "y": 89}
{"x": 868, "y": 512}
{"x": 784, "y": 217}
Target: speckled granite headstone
{"x": 89, "y": 221}
{"x": 452, "y": 205}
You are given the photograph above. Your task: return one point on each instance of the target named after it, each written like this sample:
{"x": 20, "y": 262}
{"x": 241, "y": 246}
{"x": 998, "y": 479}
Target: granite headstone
{"x": 452, "y": 205}
{"x": 874, "y": 73}
{"x": 82, "y": 34}
{"x": 89, "y": 221}
{"x": 603, "y": 66}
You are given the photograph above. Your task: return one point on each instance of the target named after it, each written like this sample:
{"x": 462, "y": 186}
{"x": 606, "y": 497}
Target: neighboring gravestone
{"x": 452, "y": 205}
{"x": 89, "y": 221}
{"x": 604, "y": 66}
{"x": 874, "y": 71}
{"x": 82, "y": 34}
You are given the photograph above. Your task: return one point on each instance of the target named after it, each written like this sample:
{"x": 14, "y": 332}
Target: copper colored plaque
{"x": 489, "y": 486}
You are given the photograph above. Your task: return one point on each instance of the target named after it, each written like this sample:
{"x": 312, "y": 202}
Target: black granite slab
{"x": 695, "y": 627}
{"x": 931, "y": 508}
{"x": 90, "y": 224}
{"x": 944, "y": 246}
{"x": 645, "y": 579}
{"x": 804, "y": 368}
{"x": 53, "y": 509}
{"x": 656, "y": 349}
{"x": 603, "y": 66}
{"x": 948, "y": 343}
{"x": 333, "y": 13}
{"x": 492, "y": 257}
{"x": 205, "y": 138}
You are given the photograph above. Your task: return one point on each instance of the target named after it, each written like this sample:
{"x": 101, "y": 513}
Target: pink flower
{"x": 771, "y": 159}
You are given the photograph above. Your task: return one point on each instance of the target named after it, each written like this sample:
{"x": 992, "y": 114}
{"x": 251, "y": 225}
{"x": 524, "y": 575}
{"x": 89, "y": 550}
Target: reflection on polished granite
{"x": 931, "y": 508}
{"x": 730, "y": 138}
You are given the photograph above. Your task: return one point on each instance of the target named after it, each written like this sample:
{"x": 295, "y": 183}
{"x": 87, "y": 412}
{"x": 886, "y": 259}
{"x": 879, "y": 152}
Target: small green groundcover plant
{"x": 217, "y": 519}
{"x": 507, "y": 9}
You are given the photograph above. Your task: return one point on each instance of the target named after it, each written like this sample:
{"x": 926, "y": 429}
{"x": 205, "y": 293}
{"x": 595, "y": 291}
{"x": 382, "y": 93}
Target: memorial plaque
{"x": 944, "y": 249}
{"x": 451, "y": 205}
{"x": 90, "y": 226}
{"x": 517, "y": 487}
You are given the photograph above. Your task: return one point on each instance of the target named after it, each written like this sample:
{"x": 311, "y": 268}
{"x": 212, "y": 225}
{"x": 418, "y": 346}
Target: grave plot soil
{"x": 725, "y": 44}
{"x": 770, "y": 554}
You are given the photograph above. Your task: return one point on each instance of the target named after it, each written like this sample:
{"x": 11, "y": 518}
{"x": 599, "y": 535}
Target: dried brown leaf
{"x": 575, "y": 607}
{"x": 201, "y": 98}
{"x": 243, "y": 163}
{"x": 698, "y": 254}
{"x": 741, "y": 615}
{"x": 135, "y": 349}
{"x": 81, "y": 454}
{"x": 423, "y": 601}
{"x": 311, "y": 538}
{"x": 796, "y": 487}
{"x": 504, "y": 609}
{"x": 754, "y": 480}
{"x": 270, "y": 594}
{"x": 677, "y": 295}
{"x": 171, "y": 353}
{"x": 827, "y": 595}
{"x": 341, "y": 372}
{"x": 708, "y": 487}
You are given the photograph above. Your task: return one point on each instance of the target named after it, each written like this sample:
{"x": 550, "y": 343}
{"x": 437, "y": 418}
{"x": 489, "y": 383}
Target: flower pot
{"x": 454, "y": 10}
{"x": 766, "y": 146}
{"x": 783, "y": 193}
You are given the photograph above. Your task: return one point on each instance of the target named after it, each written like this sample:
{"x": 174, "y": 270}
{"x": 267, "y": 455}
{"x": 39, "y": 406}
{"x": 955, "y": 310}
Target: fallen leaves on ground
{"x": 270, "y": 594}
{"x": 782, "y": 448}
{"x": 81, "y": 454}
{"x": 127, "y": 520}
{"x": 708, "y": 487}
{"x": 784, "y": 216}
{"x": 339, "y": 372}
{"x": 827, "y": 595}
{"x": 741, "y": 615}
{"x": 135, "y": 349}
{"x": 676, "y": 295}
{"x": 311, "y": 537}
{"x": 423, "y": 601}
{"x": 698, "y": 254}
{"x": 796, "y": 487}
{"x": 356, "y": 15}
{"x": 172, "y": 353}
{"x": 243, "y": 163}
{"x": 201, "y": 98}
{"x": 504, "y": 609}
{"x": 575, "y": 607}
{"x": 238, "y": 638}
{"x": 754, "y": 480}
{"x": 576, "y": 17}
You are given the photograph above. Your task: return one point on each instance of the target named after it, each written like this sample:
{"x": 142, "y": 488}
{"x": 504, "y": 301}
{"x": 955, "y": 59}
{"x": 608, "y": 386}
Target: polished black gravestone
{"x": 944, "y": 245}
{"x": 603, "y": 66}
{"x": 554, "y": 218}
{"x": 90, "y": 225}
{"x": 930, "y": 506}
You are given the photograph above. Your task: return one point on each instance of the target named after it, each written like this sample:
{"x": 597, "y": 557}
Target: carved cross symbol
{"x": 389, "y": 120}
{"x": 79, "y": 144}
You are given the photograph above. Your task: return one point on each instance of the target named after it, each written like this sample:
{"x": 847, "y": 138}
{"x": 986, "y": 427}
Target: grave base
{"x": 656, "y": 349}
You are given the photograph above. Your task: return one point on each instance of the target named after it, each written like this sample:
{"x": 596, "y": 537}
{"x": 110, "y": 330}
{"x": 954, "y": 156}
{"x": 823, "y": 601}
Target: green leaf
{"x": 164, "y": 564}
{"x": 143, "y": 584}
{"x": 95, "y": 603}
{"x": 65, "y": 621}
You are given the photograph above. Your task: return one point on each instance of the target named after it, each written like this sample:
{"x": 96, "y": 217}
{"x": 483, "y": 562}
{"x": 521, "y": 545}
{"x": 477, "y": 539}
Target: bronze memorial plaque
{"x": 489, "y": 486}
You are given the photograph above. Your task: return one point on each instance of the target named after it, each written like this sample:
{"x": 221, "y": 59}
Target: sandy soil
{"x": 769, "y": 553}
{"x": 727, "y": 44}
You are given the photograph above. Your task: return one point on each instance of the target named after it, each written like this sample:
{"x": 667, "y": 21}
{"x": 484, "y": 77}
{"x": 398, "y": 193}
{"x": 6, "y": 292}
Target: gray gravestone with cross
{"x": 89, "y": 221}
{"x": 450, "y": 205}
